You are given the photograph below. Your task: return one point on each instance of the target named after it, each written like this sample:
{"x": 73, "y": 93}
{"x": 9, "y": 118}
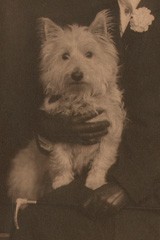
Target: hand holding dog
{"x": 76, "y": 129}
{"x": 108, "y": 199}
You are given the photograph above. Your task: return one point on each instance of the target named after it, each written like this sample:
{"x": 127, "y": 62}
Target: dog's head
{"x": 76, "y": 59}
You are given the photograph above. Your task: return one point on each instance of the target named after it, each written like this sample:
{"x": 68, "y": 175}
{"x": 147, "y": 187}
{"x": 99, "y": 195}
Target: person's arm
{"x": 61, "y": 128}
{"x": 108, "y": 199}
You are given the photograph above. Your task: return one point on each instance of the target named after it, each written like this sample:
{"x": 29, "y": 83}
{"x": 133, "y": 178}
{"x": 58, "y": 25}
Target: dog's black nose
{"x": 77, "y": 75}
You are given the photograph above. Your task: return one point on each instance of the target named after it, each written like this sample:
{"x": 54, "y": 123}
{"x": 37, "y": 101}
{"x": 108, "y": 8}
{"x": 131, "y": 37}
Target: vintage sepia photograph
{"x": 79, "y": 120}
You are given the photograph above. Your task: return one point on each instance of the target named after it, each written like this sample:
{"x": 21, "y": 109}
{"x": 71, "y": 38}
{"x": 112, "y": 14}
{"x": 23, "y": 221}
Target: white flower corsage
{"x": 141, "y": 19}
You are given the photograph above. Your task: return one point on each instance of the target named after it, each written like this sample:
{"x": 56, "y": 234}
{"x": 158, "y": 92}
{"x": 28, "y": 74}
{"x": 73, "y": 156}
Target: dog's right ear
{"x": 101, "y": 24}
{"x": 49, "y": 29}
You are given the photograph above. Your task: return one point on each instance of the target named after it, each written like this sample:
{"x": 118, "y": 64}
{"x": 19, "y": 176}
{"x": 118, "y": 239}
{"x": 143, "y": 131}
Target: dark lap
{"x": 60, "y": 217}
{"x": 60, "y": 223}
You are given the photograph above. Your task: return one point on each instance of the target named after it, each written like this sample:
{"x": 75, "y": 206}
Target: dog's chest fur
{"x": 80, "y": 155}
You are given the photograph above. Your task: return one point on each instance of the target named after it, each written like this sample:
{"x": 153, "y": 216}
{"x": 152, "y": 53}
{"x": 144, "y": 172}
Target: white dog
{"x": 80, "y": 64}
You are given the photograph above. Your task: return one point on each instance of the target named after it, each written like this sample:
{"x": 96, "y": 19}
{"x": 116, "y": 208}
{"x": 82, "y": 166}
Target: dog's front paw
{"x": 62, "y": 180}
{"x": 95, "y": 181}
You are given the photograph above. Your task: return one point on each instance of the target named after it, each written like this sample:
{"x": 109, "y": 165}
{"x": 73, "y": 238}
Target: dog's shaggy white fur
{"x": 81, "y": 65}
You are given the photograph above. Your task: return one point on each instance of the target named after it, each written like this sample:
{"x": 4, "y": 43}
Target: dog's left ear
{"x": 49, "y": 29}
{"x": 101, "y": 24}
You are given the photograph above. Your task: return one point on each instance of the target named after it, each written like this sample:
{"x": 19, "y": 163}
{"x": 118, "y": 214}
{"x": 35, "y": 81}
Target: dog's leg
{"x": 61, "y": 166}
{"x": 27, "y": 170}
{"x": 102, "y": 162}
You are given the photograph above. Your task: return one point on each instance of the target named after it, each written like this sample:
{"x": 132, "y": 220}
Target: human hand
{"x": 108, "y": 199}
{"x": 76, "y": 129}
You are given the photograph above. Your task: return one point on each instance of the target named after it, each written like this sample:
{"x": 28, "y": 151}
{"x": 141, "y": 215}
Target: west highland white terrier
{"x": 79, "y": 64}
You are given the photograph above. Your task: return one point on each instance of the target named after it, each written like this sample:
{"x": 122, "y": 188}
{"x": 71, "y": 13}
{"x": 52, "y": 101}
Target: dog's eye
{"x": 65, "y": 56}
{"x": 89, "y": 54}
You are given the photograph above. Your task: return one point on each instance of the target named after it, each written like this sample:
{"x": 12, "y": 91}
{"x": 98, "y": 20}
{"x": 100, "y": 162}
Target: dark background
{"x": 20, "y": 92}
{"x": 19, "y": 88}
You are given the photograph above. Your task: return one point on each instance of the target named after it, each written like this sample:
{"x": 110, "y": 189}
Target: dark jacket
{"x": 138, "y": 168}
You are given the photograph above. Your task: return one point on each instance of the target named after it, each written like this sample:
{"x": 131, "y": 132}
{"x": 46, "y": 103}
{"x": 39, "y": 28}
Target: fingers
{"x": 92, "y": 138}
{"x": 76, "y": 140}
{"x": 84, "y": 138}
{"x": 95, "y": 135}
{"x": 118, "y": 201}
{"x": 89, "y": 142}
{"x": 88, "y": 116}
{"x": 108, "y": 199}
{"x": 96, "y": 207}
{"x": 115, "y": 198}
{"x": 65, "y": 118}
{"x": 90, "y": 127}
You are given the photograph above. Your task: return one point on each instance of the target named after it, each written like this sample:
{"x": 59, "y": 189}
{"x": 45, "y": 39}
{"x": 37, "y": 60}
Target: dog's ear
{"x": 101, "y": 24}
{"x": 49, "y": 29}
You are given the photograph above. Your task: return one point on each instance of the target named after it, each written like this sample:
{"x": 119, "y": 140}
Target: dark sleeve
{"x": 138, "y": 165}
{"x": 19, "y": 88}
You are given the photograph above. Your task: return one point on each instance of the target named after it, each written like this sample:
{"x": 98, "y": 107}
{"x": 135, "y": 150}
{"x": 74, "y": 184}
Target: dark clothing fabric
{"x": 138, "y": 167}
{"x": 60, "y": 216}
